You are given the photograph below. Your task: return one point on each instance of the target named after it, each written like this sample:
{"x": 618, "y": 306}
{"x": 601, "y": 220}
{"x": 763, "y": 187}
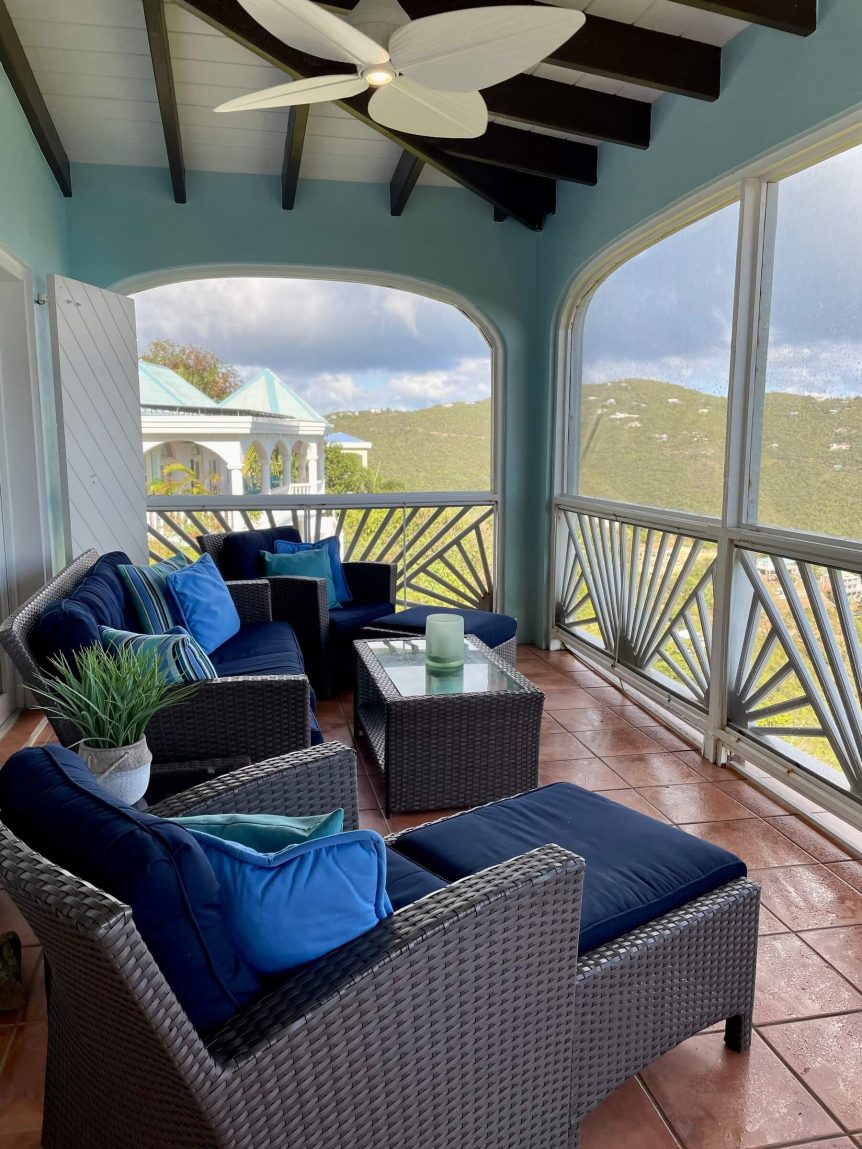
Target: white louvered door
{"x": 98, "y": 419}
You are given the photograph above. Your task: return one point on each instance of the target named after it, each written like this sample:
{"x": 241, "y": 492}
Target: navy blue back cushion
{"x": 50, "y": 800}
{"x": 104, "y": 591}
{"x": 240, "y": 556}
{"x": 637, "y": 867}
{"x": 99, "y": 599}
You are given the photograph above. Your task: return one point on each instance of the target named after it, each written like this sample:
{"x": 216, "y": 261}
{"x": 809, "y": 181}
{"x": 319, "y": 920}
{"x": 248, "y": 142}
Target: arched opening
{"x": 277, "y": 467}
{"x": 183, "y": 467}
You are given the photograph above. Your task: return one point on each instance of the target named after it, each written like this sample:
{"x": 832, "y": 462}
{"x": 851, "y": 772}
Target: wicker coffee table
{"x": 446, "y": 740}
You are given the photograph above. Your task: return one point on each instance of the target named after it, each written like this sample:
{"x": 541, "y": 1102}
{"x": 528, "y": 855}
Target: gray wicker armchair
{"x": 303, "y": 603}
{"x": 227, "y": 723}
{"x": 450, "y": 1023}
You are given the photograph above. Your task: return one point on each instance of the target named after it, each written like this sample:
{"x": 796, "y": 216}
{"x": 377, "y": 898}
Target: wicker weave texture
{"x": 452, "y": 750}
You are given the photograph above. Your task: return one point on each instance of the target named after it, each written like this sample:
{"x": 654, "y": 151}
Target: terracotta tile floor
{"x": 801, "y": 1084}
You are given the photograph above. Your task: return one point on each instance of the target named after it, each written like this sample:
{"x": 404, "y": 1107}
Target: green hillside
{"x": 442, "y": 448}
{"x": 659, "y": 444}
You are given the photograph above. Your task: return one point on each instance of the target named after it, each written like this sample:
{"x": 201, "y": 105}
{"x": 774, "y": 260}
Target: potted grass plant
{"x": 110, "y": 697}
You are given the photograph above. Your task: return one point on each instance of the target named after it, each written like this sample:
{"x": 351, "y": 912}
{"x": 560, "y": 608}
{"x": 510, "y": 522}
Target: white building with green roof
{"x": 191, "y": 443}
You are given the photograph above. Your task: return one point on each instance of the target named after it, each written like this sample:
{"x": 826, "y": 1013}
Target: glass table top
{"x": 403, "y": 659}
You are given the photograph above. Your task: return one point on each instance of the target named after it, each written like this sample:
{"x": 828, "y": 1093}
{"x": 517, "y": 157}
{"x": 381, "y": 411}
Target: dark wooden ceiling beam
{"x": 528, "y": 152}
{"x": 576, "y": 111}
{"x": 163, "y": 72}
{"x": 403, "y": 182}
{"x": 297, "y": 121}
{"x": 796, "y": 16}
{"x": 17, "y": 68}
{"x": 616, "y": 50}
{"x": 526, "y": 198}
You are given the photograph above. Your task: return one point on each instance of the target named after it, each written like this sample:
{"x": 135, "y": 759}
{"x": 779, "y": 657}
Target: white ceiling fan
{"x": 426, "y": 79}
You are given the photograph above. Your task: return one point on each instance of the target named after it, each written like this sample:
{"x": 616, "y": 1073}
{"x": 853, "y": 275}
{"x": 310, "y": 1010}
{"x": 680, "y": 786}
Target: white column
{"x": 312, "y": 467}
{"x": 265, "y": 474}
{"x": 237, "y": 484}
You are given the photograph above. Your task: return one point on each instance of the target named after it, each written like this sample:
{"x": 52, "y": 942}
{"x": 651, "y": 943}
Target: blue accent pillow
{"x": 305, "y": 564}
{"x": 333, "y": 549}
{"x": 240, "y": 556}
{"x": 208, "y": 611}
{"x": 148, "y": 587}
{"x": 180, "y": 657}
{"x": 266, "y": 833}
{"x": 53, "y": 803}
{"x": 289, "y": 907}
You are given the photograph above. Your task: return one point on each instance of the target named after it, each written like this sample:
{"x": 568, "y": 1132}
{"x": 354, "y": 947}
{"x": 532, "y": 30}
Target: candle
{"x": 444, "y": 641}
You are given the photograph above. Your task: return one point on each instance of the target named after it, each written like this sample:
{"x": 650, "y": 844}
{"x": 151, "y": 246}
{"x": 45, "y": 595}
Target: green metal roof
{"x": 162, "y": 387}
{"x": 266, "y": 392}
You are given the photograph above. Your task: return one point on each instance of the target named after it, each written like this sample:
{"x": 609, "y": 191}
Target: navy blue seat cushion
{"x": 407, "y": 881}
{"x": 264, "y": 648}
{"x": 240, "y": 556}
{"x": 637, "y": 867}
{"x": 492, "y": 629}
{"x": 50, "y": 800}
{"x": 347, "y": 621}
{"x": 101, "y": 598}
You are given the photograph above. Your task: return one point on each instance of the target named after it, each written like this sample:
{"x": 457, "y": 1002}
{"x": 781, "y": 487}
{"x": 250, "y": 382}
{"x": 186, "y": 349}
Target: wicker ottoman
{"x": 497, "y": 631}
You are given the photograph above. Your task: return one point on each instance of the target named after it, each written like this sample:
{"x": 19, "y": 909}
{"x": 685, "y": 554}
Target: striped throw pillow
{"x": 180, "y": 657}
{"x": 154, "y": 604}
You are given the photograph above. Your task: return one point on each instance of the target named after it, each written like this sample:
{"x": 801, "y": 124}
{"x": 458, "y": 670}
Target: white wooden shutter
{"x": 98, "y": 419}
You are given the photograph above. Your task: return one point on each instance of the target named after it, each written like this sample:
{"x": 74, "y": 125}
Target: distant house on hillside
{"x": 183, "y": 426}
{"x": 350, "y": 445}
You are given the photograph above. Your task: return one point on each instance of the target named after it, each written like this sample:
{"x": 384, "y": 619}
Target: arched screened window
{"x": 653, "y": 372}
{"x": 708, "y": 541}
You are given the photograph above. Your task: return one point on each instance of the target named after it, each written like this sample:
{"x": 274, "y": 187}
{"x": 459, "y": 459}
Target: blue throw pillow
{"x": 179, "y": 656}
{"x": 63, "y": 629}
{"x": 148, "y": 587}
{"x": 266, "y": 833}
{"x": 333, "y": 549}
{"x": 289, "y": 907}
{"x": 305, "y": 564}
{"x": 208, "y": 611}
{"x": 50, "y": 800}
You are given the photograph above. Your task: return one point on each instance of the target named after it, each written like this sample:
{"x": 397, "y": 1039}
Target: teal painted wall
{"x": 33, "y": 229}
{"x": 32, "y": 209}
{"x": 123, "y": 224}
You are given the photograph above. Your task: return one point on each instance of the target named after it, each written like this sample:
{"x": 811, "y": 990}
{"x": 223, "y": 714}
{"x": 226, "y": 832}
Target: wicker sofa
{"x": 325, "y": 637}
{"x": 227, "y": 723}
{"x": 466, "y": 1018}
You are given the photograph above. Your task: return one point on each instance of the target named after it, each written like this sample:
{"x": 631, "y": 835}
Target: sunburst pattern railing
{"x": 444, "y": 552}
{"x": 796, "y": 677}
{"x": 644, "y": 596}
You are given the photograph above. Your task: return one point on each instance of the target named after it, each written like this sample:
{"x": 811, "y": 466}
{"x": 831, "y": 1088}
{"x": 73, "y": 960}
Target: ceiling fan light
{"x": 379, "y": 75}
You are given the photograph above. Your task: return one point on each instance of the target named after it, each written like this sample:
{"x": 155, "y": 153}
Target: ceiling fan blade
{"x": 408, "y": 107}
{"x": 310, "y": 28}
{"x": 476, "y": 47}
{"x": 313, "y": 91}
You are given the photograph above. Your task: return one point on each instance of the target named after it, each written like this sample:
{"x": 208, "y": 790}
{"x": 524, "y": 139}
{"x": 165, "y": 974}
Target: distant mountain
{"x": 650, "y": 442}
{"x": 442, "y": 448}
{"x": 660, "y": 444}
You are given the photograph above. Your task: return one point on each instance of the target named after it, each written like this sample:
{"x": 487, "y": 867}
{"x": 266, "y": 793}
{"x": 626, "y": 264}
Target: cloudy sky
{"x": 667, "y": 313}
{"x": 342, "y": 346}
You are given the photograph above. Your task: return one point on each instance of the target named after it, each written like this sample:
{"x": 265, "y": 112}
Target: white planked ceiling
{"x": 92, "y": 63}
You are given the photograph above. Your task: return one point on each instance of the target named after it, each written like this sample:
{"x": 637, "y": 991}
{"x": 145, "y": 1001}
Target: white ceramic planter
{"x": 123, "y": 770}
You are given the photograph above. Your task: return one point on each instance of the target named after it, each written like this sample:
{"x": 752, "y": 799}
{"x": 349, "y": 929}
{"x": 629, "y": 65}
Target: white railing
{"x": 443, "y": 544}
{"x": 751, "y": 638}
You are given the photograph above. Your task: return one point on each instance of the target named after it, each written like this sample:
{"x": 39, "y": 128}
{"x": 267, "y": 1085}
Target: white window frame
{"x": 737, "y": 527}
